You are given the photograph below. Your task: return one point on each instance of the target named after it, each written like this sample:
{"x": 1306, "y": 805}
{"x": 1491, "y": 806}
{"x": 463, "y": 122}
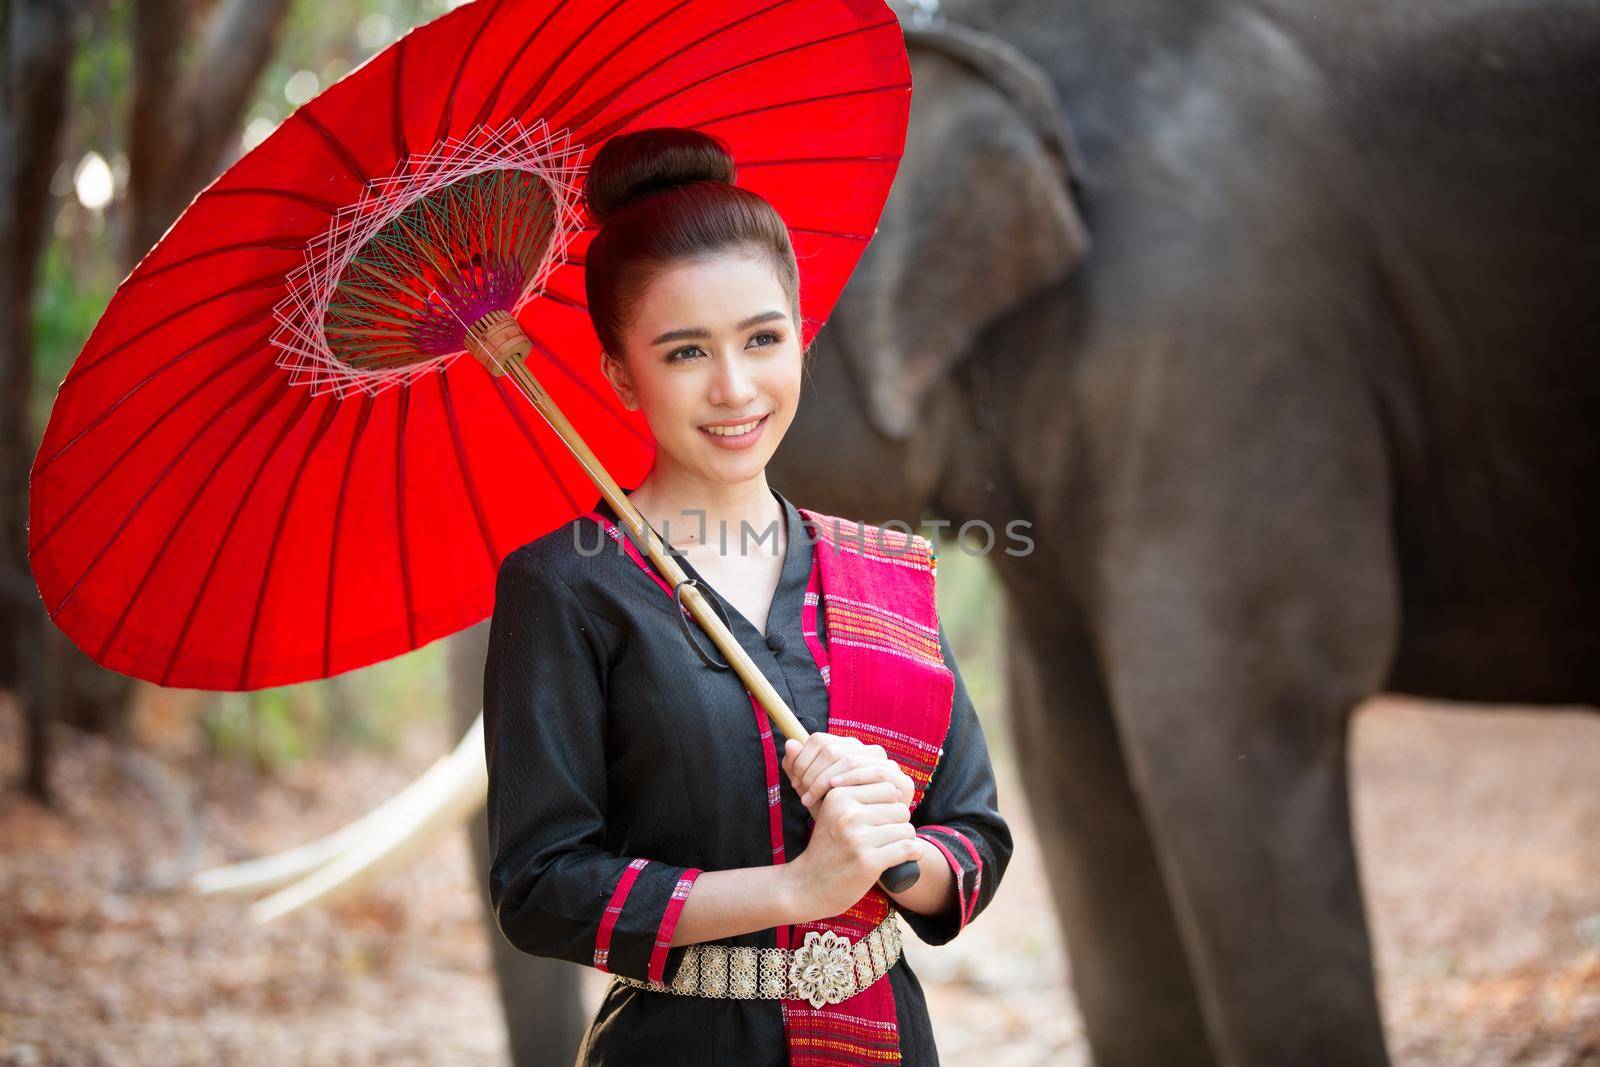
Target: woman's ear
{"x": 616, "y": 373}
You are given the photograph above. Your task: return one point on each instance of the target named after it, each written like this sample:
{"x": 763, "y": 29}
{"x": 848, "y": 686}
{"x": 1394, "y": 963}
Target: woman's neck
{"x": 690, "y": 512}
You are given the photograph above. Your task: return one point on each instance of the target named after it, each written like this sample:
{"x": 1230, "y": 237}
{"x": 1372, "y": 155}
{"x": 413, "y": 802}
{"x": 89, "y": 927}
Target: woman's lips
{"x": 743, "y": 441}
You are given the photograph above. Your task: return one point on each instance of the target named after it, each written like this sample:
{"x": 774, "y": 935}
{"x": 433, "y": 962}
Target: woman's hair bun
{"x": 647, "y": 161}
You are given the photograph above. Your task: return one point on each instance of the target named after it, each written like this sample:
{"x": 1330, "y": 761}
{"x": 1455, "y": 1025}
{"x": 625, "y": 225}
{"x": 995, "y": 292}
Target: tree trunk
{"x": 39, "y": 43}
{"x": 183, "y": 118}
{"x": 181, "y": 122}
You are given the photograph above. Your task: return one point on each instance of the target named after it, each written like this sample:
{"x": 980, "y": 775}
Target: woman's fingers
{"x": 830, "y": 765}
{"x": 865, "y": 797}
{"x": 826, "y": 761}
{"x": 875, "y": 773}
{"x": 796, "y": 763}
{"x": 854, "y": 768}
{"x": 820, "y": 750}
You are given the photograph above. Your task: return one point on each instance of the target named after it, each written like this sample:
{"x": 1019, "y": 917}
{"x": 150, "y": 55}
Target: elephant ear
{"x": 982, "y": 216}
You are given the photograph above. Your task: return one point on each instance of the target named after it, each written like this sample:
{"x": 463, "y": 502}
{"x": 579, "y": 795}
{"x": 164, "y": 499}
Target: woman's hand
{"x": 860, "y": 832}
{"x": 829, "y": 760}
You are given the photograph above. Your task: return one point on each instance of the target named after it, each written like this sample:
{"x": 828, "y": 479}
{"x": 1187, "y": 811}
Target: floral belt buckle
{"x": 823, "y": 970}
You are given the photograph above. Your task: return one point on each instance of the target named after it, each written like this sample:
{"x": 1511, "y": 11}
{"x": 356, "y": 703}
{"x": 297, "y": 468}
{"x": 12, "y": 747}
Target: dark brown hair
{"x": 662, "y": 196}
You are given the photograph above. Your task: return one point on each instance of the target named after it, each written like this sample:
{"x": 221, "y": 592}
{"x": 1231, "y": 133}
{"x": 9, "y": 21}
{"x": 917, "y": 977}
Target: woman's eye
{"x": 678, "y": 355}
{"x": 772, "y": 337}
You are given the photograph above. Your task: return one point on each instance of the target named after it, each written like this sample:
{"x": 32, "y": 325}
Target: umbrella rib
{"x": 324, "y": 206}
{"x": 563, "y": 299}
{"x": 702, "y": 39}
{"x": 147, "y": 379}
{"x": 227, "y": 532}
{"x": 194, "y": 499}
{"x": 623, "y": 120}
{"x": 586, "y": 387}
{"x": 466, "y": 474}
{"x": 871, "y": 91}
{"x": 397, "y": 126}
{"x": 338, "y": 525}
{"x": 461, "y": 69}
{"x": 339, "y": 148}
{"x": 123, "y": 452}
{"x": 330, "y": 409}
{"x": 285, "y": 245}
{"x": 132, "y": 514}
{"x": 748, "y": 163}
{"x": 267, "y": 282}
{"x": 550, "y": 68}
{"x": 517, "y": 410}
{"x": 494, "y": 94}
{"x": 400, "y": 512}
{"x": 582, "y": 79}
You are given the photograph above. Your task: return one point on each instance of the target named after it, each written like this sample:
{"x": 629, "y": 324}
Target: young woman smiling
{"x": 639, "y": 822}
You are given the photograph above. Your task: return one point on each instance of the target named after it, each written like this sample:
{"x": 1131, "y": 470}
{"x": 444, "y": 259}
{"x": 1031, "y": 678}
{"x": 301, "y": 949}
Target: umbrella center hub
{"x": 412, "y": 291}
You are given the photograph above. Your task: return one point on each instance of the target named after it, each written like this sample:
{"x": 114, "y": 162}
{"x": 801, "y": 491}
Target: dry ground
{"x": 1480, "y": 842}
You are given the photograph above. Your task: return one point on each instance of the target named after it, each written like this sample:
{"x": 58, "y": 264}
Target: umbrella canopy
{"x": 243, "y": 483}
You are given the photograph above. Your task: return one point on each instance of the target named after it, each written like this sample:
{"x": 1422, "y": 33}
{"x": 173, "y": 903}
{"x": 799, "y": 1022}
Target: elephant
{"x": 1270, "y": 320}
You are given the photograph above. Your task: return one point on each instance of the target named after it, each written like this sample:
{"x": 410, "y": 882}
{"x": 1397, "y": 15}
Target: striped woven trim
{"x": 608, "y": 922}
{"x": 917, "y": 758}
{"x": 904, "y": 621}
{"x": 769, "y": 757}
{"x": 875, "y": 628}
{"x": 669, "y": 922}
{"x": 808, "y": 623}
{"x": 966, "y": 897}
{"x": 833, "y": 1037}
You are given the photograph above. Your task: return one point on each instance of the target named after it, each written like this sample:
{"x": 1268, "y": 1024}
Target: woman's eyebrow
{"x": 687, "y": 332}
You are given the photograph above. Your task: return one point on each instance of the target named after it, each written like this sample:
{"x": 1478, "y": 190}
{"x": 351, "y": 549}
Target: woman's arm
{"x": 557, "y": 890}
{"x": 860, "y": 831}
{"x": 741, "y": 901}
{"x": 934, "y": 893}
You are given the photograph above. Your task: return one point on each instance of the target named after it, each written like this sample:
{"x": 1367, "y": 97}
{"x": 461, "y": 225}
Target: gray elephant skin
{"x": 1278, "y": 322}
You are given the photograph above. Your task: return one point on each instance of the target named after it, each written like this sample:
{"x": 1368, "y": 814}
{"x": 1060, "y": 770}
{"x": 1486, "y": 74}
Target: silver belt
{"x": 825, "y": 969}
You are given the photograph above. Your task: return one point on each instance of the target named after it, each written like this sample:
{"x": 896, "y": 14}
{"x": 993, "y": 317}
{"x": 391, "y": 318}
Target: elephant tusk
{"x": 384, "y": 839}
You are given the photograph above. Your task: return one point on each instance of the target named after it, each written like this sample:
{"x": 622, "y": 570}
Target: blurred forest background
{"x": 1477, "y": 829}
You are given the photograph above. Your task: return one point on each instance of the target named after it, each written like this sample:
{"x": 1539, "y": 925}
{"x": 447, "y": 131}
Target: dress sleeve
{"x": 959, "y": 817}
{"x": 555, "y": 888}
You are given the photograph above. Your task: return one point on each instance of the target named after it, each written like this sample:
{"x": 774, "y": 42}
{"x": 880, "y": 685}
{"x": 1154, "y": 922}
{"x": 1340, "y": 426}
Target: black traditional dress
{"x": 615, "y": 754}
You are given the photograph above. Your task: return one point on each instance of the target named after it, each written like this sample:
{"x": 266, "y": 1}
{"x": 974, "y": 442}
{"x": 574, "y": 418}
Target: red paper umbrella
{"x": 269, "y": 463}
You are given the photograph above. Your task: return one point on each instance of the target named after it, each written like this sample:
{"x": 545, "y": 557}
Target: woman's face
{"x": 712, "y": 347}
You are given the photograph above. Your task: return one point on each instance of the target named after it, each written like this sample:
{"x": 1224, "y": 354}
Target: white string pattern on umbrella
{"x": 302, "y": 315}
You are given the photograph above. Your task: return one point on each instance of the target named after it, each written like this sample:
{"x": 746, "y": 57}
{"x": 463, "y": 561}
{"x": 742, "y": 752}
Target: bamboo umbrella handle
{"x": 500, "y": 344}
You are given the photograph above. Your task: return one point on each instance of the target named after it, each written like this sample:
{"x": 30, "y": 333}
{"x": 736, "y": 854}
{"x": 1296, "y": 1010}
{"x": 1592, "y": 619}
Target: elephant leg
{"x": 1129, "y": 972}
{"x": 543, "y": 1012}
{"x": 1233, "y": 702}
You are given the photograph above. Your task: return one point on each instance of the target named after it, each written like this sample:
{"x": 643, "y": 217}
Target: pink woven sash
{"x": 887, "y": 685}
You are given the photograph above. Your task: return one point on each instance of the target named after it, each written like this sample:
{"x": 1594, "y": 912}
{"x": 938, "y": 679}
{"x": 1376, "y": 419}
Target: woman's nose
{"x": 732, "y": 384}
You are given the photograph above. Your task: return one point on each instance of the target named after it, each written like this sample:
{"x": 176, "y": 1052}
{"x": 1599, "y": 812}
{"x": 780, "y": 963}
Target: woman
{"x": 638, "y": 820}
